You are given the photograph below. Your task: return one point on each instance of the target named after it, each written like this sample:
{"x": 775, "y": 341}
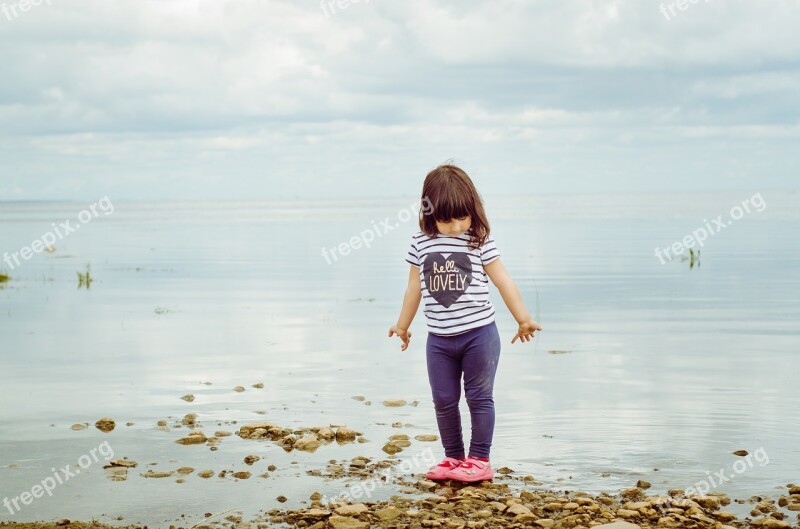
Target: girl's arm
{"x": 411, "y": 301}
{"x": 513, "y": 299}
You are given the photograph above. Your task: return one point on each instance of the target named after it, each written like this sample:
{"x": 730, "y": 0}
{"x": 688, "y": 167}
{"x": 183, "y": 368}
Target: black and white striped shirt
{"x": 455, "y": 287}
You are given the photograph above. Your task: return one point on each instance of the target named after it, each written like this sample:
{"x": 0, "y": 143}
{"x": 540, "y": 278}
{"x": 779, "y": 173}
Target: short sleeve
{"x": 412, "y": 257}
{"x": 489, "y": 251}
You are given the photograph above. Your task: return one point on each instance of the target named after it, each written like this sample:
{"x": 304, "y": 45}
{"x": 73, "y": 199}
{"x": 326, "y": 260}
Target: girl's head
{"x": 455, "y": 206}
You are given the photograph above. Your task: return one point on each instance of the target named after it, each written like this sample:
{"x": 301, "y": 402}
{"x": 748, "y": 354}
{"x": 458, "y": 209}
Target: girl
{"x": 450, "y": 259}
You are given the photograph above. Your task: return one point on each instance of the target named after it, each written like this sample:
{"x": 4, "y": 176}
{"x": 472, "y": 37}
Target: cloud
{"x": 266, "y": 96}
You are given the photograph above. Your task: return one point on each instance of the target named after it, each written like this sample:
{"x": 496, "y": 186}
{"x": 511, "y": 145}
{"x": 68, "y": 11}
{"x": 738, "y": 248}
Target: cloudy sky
{"x": 231, "y": 99}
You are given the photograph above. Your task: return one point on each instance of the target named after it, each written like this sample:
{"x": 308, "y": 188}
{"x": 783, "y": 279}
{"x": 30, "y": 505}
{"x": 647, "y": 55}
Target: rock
{"x": 105, "y": 424}
{"x": 124, "y": 463}
{"x": 188, "y": 398}
{"x": 190, "y": 419}
{"x": 345, "y": 522}
{"x": 642, "y": 484}
{"x": 79, "y": 426}
{"x": 633, "y": 494}
{"x": 351, "y": 510}
{"x": 242, "y": 474}
{"x": 307, "y": 443}
{"x": 389, "y": 513}
{"x": 741, "y": 453}
{"x": 205, "y": 474}
{"x": 252, "y": 459}
{"x": 194, "y": 438}
{"x": 426, "y": 438}
{"x": 427, "y": 485}
{"x": 282, "y": 499}
{"x": 346, "y": 434}
{"x": 246, "y": 430}
{"x": 326, "y": 434}
{"x": 222, "y": 433}
{"x": 709, "y": 502}
{"x": 161, "y": 423}
{"x": 154, "y": 474}
{"x": 259, "y": 385}
{"x": 238, "y": 389}
{"x": 627, "y": 513}
{"x": 185, "y": 470}
{"x": 359, "y": 398}
{"x": 63, "y": 521}
{"x": 770, "y": 523}
{"x": 545, "y": 523}
{"x": 391, "y": 448}
{"x": 518, "y": 509}
{"x": 794, "y": 489}
{"x": 619, "y": 524}
{"x": 394, "y": 403}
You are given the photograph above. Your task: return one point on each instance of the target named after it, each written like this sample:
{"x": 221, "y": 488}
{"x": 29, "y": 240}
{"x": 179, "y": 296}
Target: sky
{"x": 263, "y": 99}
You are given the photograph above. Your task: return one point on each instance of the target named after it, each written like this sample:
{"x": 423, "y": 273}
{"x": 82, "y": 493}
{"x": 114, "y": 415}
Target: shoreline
{"x": 496, "y": 505}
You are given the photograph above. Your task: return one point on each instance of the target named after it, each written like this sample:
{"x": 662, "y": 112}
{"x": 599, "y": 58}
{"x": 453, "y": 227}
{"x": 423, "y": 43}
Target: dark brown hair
{"x": 451, "y": 194}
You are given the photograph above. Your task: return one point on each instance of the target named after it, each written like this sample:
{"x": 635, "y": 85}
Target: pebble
{"x": 105, "y": 424}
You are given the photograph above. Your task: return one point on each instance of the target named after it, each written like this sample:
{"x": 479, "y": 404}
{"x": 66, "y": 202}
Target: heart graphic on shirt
{"x": 447, "y": 278}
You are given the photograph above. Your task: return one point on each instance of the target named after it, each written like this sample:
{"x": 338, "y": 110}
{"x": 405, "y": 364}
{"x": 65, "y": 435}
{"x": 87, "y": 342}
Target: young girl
{"x": 450, "y": 259}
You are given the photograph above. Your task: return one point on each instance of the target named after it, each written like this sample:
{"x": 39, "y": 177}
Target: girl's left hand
{"x": 526, "y": 330}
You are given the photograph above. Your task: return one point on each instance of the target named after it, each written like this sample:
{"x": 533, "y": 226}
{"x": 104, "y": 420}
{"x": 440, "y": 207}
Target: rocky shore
{"x": 491, "y": 505}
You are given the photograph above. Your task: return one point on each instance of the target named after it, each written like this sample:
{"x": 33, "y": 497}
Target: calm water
{"x": 667, "y": 367}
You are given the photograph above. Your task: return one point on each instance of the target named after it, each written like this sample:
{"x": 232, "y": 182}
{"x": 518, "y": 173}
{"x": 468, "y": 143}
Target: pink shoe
{"x": 471, "y": 470}
{"x": 438, "y": 472}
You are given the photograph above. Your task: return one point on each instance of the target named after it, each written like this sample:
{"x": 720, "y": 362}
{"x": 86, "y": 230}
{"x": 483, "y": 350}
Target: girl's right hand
{"x": 403, "y": 334}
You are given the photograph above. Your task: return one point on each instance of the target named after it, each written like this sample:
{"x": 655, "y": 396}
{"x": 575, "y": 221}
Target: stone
{"x": 105, "y": 424}
{"x": 346, "y": 522}
{"x": 194, "y": 438}
{"x": 394, "y": 403}
{"x": 426, "y": 438}
{"x": 307, "y": 443}
{"x": 352, "y": 510}
{"x": 388, "y": 514}
{"x": 518, "y": 509}
{"x": 249, "y": 460}
{"x": 188, "y": 398}
{"x": 124, "y": 463}
{"x": 346, "y": 434}
{"x": 619, "y": 524}
{"x": 154, "y": 474}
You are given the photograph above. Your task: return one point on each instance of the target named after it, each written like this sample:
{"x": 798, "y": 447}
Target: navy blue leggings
{"x": 474, "y": 354}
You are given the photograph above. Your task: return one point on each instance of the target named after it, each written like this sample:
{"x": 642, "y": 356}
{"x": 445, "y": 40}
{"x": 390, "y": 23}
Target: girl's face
{"x": 454, "y": 227}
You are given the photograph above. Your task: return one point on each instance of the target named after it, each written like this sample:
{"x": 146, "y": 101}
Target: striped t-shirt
{"x": 455, "y": 287}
